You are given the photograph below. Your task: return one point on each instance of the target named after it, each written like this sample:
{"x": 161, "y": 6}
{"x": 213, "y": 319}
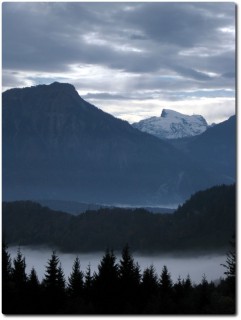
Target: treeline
{"x": 205, "y": 222}
{"x": 116, "y": 288}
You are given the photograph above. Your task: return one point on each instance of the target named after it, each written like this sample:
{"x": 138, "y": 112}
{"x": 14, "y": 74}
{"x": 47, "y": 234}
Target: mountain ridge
{"x": 58, "y": 146}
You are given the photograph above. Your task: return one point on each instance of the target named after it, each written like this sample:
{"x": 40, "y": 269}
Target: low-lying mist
{"x": 196, "y": 266}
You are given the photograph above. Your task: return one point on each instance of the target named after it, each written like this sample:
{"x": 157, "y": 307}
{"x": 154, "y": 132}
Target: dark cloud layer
{"x": 160, "y": 46}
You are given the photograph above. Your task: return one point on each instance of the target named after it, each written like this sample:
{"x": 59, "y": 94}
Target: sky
{"x": 129, "y": 59}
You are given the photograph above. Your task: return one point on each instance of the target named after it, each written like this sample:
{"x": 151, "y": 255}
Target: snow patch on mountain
{"x": 172, "y": 125}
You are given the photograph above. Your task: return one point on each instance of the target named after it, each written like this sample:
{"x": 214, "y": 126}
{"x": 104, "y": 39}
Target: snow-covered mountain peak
{"x": 172, "y": 125}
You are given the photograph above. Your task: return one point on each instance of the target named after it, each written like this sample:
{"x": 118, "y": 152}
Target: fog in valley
{"x": 195, "y": 265}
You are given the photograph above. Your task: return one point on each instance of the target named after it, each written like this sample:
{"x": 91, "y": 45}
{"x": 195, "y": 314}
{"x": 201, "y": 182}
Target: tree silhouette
{"x": 88, "y": 280}
{"x": 106, "y": 283}
{"x": 230, "y": 272}
{"x": 149, "y": 282}
{"x": 60, "y": 279}
{"x": 6, "y": 279}
{"x": 178, "y": 293}
{"x": 51, "y": 276}
{"x": 34, "y": 292}
{"x": 231, "y": 260}
{"x": 129, "y": 274}
{"x": 187, "y": 283}
{"x": 165, "y": 285}
{"x": 19, "y": 279}
{"x": 6, "y": 265}
{"x": 75, "y": 280}
{"x": 88, "y": 290}
{"x": 114, "y": 289}
{"x": 165, "y": 281}
{"x": 203, "y": 292}
{"x": 149, "y": 290}
{"x": 54, "y": 285}
{"x": 33, "y": 281}
{"x": 19, "y": 271}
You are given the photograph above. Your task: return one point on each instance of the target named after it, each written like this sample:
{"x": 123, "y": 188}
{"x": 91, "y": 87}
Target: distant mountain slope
{"x": 215, "y": 148}
{"x": 76, "y": 208}
{"x": 205, "y": 222}
{"x": 72, "y": 207}
{"x": 58, "y": 146}
{"x": 173, "y": 125}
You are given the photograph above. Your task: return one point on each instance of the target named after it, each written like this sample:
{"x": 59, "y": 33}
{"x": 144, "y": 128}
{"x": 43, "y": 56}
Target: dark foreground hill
{"x": 205, "y": 222}
{"x": 58, "y": 146}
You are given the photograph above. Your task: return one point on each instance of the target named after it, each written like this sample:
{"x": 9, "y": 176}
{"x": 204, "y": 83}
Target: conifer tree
{"x": 165, "y": 281}
{"x": 231, "y": 260}
{"x": 88, "y": 288}
{"x": 6, "y": 280}
{"x": 187, "y": 284}
{"x": 178, "y": 289}
{"x": 129, "y": 274}
{"x": 33, "y": 281}
{"x": 230, "y": 266}
{"x": 54, "y": 285}
{"x": 19, "y": 283}
{"x": 203, "y": 297}
{"x": 149, "y": 281}
{"x": 129, "y": 271}
{"x": 60, "y": 278}
{"x": 107, "y": 269}
{"x": 88, "y": 279}
{"x": 106, "y": 284}
{"x": 166, "y": 292}
{"x": 34, "y": 292}
{"x": 75, "y": 280}
{"x": 188, "y": 300}
{"x": 19, "y": 275}
{"x": 178, "y": 284}
{"x": 149, "y": 290}
{"x": 6, "y": 265}
{"x": 51, "y": 276}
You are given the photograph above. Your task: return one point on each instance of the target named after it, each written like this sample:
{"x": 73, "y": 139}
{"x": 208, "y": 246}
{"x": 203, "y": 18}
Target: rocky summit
{"x": 173, "y": 125}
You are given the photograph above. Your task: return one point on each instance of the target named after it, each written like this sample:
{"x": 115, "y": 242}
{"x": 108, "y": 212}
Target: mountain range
{"x": 173, "y": 125}
{"x": 58, "y": 146}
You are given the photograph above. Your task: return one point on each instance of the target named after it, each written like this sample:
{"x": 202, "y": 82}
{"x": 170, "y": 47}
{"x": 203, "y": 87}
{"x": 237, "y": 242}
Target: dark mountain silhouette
{"x": 58, "y": 146}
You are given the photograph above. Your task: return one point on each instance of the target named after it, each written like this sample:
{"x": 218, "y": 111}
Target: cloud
{"x": 42, "y": 41}
{"x": 121, "y": 51}
{"x": 104, "y": 96}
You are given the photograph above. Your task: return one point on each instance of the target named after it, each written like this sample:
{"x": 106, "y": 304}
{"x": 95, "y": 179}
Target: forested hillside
{"x": 205, "y": 222}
